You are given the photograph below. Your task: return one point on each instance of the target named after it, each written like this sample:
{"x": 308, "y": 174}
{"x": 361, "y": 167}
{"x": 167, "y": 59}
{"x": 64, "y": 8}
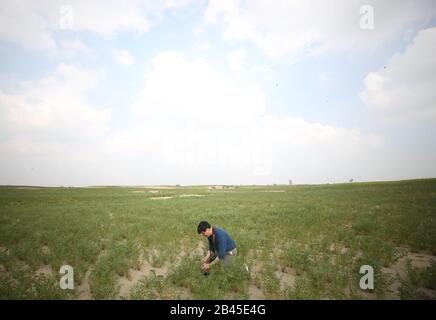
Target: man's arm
{"x": 215, "y": 261}
{"x": 220, "y": 252}
{"x": 207, "y": 256}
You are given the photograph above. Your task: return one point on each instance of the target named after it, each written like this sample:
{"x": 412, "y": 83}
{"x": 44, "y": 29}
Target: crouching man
{"x": 222, "y": 248}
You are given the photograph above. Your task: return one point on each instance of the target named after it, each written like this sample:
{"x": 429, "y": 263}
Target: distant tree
{"x": 351, "y": 180}
{"x": 290, "y": 182}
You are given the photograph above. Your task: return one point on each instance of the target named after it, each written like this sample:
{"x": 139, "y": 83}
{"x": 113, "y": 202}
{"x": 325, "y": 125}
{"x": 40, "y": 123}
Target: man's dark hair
{"x": 202, "y": 226}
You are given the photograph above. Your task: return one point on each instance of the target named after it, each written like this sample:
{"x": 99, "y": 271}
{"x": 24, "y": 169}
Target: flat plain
{"x": 294, "y": 242}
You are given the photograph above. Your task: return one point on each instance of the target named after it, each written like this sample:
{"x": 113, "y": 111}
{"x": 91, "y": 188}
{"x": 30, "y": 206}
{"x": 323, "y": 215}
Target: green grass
{"x": 322, "y": 232}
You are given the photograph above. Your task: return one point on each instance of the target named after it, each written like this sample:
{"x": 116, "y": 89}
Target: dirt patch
{"x": 4, "y": 250}
{"x": 255, "y": 293}
{"x": 200, "y": 249}
{"x": 160, "y": 198}
{"x": 421, "y": 260}
{"x": 334, "y": 247}
{"x": 190, "y": 195}
{"x": 126, "y": 284}
{"x": 256, "y": 268}
{"x": 178, "y": 258}
{"x": 349, "y": 225}
{"x": 3, "y": 271}
{"x": 6, "y": 274}
{"x": 399, "y": 271}
{"x": 134, "y": 276}
{"x": 367, "y": 295}
{"x": 45, "y": 249}
{"x": 287, "y": 277}
{"x": 45, "y": 270}
{"x": 185, "y": 293}
{"x": 84, "y": 289}
{"x": 417, "y": 260}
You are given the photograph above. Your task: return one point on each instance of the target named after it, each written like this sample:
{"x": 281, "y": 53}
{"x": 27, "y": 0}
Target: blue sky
{"x": 216, "y": 92}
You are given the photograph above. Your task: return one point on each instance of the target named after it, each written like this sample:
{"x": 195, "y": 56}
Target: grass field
{"x": 298, "y": 242}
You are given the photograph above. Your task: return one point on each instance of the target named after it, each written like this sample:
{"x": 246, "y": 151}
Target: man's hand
{"x": 205, "y": 266}
{"x": 206, "y": 258}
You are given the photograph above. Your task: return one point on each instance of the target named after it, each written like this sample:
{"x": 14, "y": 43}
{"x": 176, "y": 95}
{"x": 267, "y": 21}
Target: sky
{"x": 196, "y": 92}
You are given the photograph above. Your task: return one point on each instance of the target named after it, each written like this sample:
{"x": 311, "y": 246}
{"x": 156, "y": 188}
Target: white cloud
{"x": 287, "y": 30}
{"x": 55, "y": 107}
{"x": 180, "y": 90}
{"x": 326, "y": 80}
{"x": 192, "y": 124}
{"x": 405, "y": 88}
{"x": 241, "y": 64}
{"x": 22, "y": 22}
{"x": 237, "y": 60}
{"x": 50, "y": 133}
{"x": 204, "y": 45}
{"x": 123, "y": 57}
{"x": 32, "y": 24}
{"x": 213, "y": 128}
{"x": 198, "y": 30}
{"x": 69, "y": 49}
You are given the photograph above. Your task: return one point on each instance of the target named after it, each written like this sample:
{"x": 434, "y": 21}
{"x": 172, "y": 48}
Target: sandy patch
{"x": 398, "y": 271}
{"x": 160, "y": 198}
{"x": 138, "y": 191}
{"x": 27, "y": 188}
{"x": 3, "y": 271}
{"x": 421, "y": 260}
{"x": 84, "y": 289}
{"x": 6, "y": 274}
{"x": 255, "y": 269}
{"x": 255, "y": 293}
{"x": 368, "y": 295}
{"x": 200, "y": 249}
{"x": 287, "y": 277}
{"x": 126, "y": 284}
{"x": 153, "y": 191}
{"x": 334, "y": 247}
{"x": 4, "y": 250}
{"x": 45, "y": 270}
{"x": 185, "y": 293}
{"x": 45, "y": 249}
{"x": 179, "y": 257}
{"x": 190, "y": 195}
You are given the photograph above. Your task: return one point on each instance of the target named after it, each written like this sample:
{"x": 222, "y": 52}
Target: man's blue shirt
{"x": 223, "y": 243}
